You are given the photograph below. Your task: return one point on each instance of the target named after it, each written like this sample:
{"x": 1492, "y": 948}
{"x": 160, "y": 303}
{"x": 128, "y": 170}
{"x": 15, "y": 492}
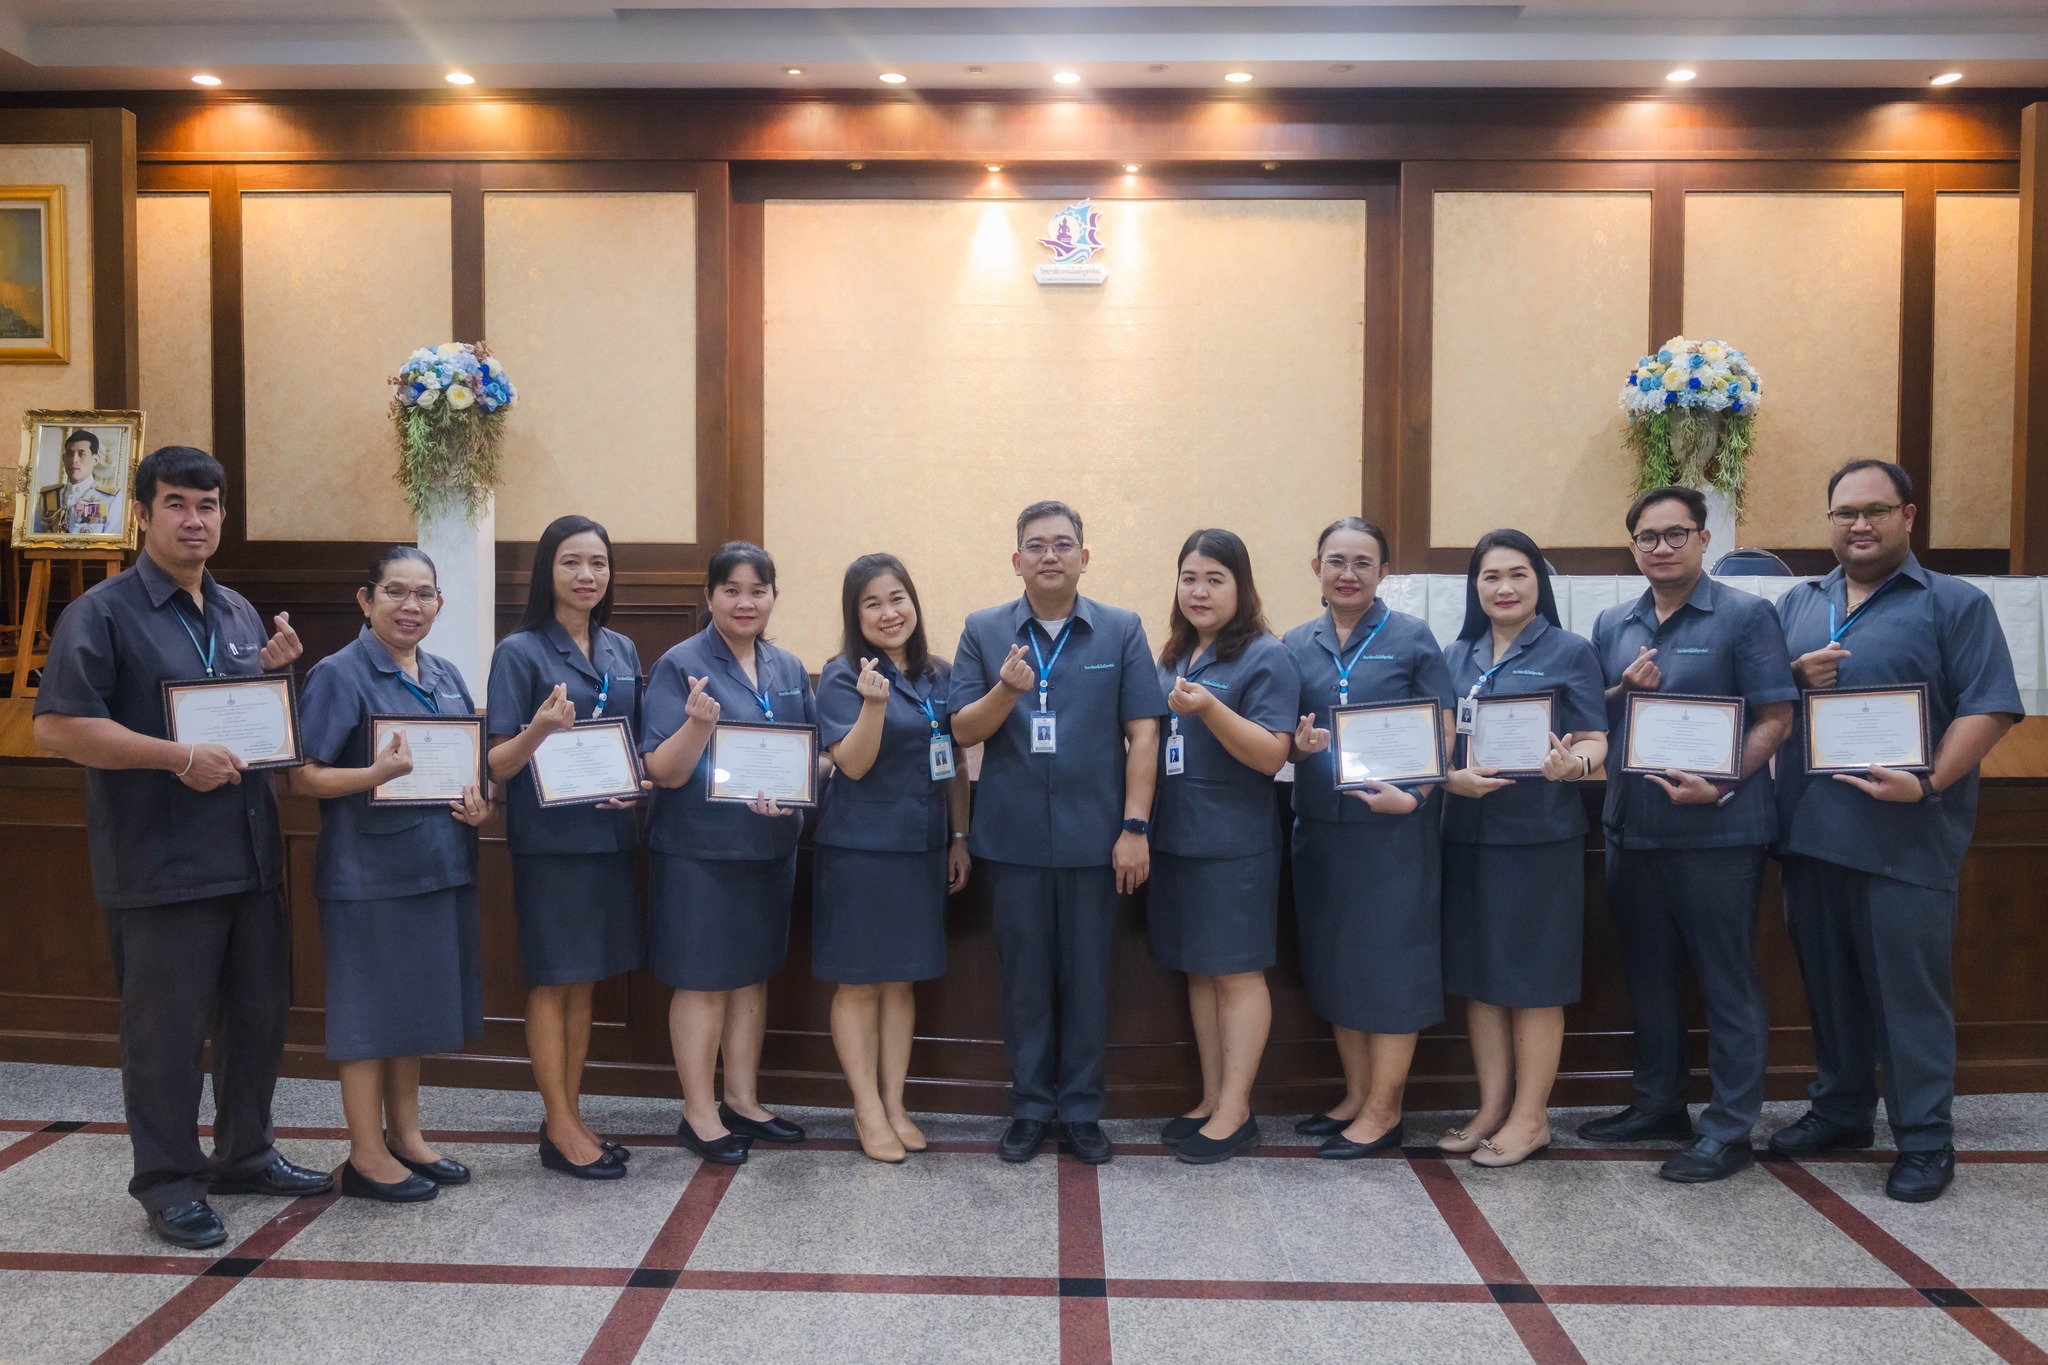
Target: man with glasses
{"x": 1063, "y": 692}
{"x": 187, "y": 860}
{"x": 1872, "y": 859}
{"x": 1685, "y": 854}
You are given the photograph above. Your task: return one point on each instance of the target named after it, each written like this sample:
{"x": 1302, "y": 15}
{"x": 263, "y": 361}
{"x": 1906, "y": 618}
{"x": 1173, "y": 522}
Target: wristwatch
{"x": 1137, "y": 826}
{"x": 1928, "y": 795}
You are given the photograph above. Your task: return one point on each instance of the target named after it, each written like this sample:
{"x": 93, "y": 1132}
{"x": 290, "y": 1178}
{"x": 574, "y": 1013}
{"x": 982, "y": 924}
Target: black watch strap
{"x": 1137, "y": 826}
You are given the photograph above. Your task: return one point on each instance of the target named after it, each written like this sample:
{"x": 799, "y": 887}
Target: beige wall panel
{"x": 174, "y": 311}
{"x": 921, "y": 389}
{"x": 337, "y": 289}
{"x": 69, "y": 385}
{"x": 1808, "y": 286}
{"x": 569, "y": 277}
{"x": 1563, "y": 277}
{"x": 1976, "y": 294}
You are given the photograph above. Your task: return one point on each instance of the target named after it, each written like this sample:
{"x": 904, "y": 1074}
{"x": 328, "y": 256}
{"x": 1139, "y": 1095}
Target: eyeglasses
{"x": 1674, "y": 536}
{"x": 1876, "y": 516}
{"x": 1360, "y": 565}
{"x": 1062, "y": 547}
{"x": 397, "y": 594}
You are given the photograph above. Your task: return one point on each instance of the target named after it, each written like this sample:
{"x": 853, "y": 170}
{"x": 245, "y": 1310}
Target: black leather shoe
{"x": 619, "y": 1150}
{"x": 1340, "y": 1148}
{"x": 441, "y": 1172}
{"x": 1707, "y": 1160}
{"x": 1197, "y": 1150}
{"x": 192, "y": 1224}
{"x": 280, "y": 1177}
{"x": 1181, "y": 1129}
{"x": 1088, "y": 1142}
{"x": 606, "y": 1167}
{"x": 414, "y": 1189}
{"x": 1813, "y": 1134}
{"x": 1022, "y": 1139}
{"x": 729, "y": 1150}
{"x": 1920, "y": 1176}
{"x": 770, "y": 1129}
{"x": 1321, "y": 1125}
{"x": 1633, "y": 1125}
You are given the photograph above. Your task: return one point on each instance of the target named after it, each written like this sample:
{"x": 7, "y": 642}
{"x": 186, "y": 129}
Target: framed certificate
{"x": 1511, "y": 734}
{"x": 751, "y": 761}
{"x": 1850, "y": 728}
{"x": 447, "y": 756}
{"x": 253, "y": 717}
{"x": 1395, "y": 743}
{"x": 592, "y": 761}
{"x": 1698, "y": 735}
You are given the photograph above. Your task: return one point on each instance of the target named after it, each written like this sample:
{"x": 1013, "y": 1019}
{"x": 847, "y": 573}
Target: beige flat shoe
{"x": 887, "y": 1149}
{"x": 910, "y": 1135}
{"x": 1458, "y": 1142}
{"x": 1492, "y": 1154}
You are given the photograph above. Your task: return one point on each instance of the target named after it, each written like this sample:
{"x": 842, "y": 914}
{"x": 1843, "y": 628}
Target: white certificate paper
{"x": 1701, "y": 735}
{"x": 256, "y": 719}
{"x": 778, "y": 762}
{"x": 447, "y": 756}
{"x": 1389, "y": 744}
{"x": 592, "y": 761}
{"x": 1847, "y": 731}
{"x": 1511, "y": 734}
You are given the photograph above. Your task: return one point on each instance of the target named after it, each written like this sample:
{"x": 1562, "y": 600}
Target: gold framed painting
{"x": 34, "y": 314}
{"x": 74, "y": 487}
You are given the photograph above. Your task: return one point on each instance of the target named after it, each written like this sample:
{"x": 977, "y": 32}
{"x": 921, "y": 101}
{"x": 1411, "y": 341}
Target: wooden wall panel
{"x": 174, "y": 318}
{"x": 1976, "y": 293}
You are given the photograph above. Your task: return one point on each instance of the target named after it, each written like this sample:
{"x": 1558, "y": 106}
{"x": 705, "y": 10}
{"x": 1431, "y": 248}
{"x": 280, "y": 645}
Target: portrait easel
{"x": 37, "y": 604}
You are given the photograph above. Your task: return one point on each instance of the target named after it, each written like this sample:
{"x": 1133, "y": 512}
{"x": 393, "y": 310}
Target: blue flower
{"x": 1664, "y": 356}
{"x": 1693, "y": 382}
{"x": 1697, "y": 361}
{"x": 1648, "y": 383}
{"x": 1670, "y": 398}
{"x": 1736, "y": 406}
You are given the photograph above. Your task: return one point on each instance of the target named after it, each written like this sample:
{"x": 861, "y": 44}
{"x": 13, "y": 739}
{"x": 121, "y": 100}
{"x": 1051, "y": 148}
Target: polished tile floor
{"x": 816, "y": 1254}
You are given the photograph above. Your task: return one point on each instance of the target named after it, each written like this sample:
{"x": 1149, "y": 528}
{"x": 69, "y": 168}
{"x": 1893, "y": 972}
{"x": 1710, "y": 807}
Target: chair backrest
{"x": 1757, "y": 563}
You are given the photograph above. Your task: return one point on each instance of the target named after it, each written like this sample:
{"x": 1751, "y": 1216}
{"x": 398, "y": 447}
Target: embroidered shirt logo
{"x": 1692, "y": 649}
{"x": 1530, "y": 672}
{"x": 1091, "y": 668}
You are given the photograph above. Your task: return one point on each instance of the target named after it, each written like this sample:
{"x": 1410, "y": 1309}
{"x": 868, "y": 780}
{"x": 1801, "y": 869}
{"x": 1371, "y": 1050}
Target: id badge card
{"x": 1045, "y": 734}
{"x": 941, "y": 757}
{"x": 1468, "y": 713}
{"x": 1176, "y": 756}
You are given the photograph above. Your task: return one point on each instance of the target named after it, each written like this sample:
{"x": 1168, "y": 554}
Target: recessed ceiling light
{"x": 1156, "y": 68}
{"x": 1237, "y": 77}
{"x": 1066, "y": 77}
{"x": 459, "y": 78}
{"x": 856, "y": 165}
{"x": 1947, "y": 78}
{"x": 1269, "y": 165}
{"x": 204, "y": 79}
{"x": 893, "y": 78}
{"x": 977, "y": 71}
{"x": 1132, "y": 168}
{"x": 1684, "y": 73}
{"x": 792, "y": 71}
{"x": 995, "y": 168}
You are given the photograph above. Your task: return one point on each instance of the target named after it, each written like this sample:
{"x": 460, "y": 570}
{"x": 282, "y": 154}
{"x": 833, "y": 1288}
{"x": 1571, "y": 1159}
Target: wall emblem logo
{"x": 1074, "y": 238}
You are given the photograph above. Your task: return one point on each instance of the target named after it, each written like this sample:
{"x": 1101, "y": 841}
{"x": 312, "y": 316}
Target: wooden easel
{"x": 37, "y": 605}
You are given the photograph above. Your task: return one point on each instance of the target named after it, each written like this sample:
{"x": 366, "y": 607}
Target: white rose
{"x": 459, "y": 397}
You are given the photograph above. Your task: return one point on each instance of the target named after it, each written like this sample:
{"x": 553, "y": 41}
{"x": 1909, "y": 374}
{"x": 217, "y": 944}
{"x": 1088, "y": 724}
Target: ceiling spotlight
{"x": 1237, "y": 77}
{"x": 1269, "y": 165}
{"x": 1132, "y": 168}
{"x": 459, "y": 78}
{"x": 1684, "y": 73}
{"x": 1156, "y": 68}
{"x": 994, "y": 168}
{"x": 856, "y": 165}
{"x": 1947, "y": 78}
{"x": 977, "y": 71}
{"x": 893, "y": 78}
{"x": 204, "y": 79}
{"x": 1066, "y": 78}
{"x": 792, "y": 71}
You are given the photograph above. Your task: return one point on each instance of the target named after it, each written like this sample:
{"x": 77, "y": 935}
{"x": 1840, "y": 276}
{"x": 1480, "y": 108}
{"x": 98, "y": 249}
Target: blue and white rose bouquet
{"x": 448, "y": 403}
{"x": 1691, "y": 409}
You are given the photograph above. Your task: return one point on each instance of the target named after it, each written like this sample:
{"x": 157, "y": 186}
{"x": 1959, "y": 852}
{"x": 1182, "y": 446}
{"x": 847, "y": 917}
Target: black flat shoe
{"x": 1089, "y": 1144}
{"x": 414, "y": 1189}
{"x": 1920, "y": 1176}
{"x": 1197, "y": 1150}
{"x": 1811, "y": 1135}
{"x": 1181, "y": 1129}
{"x": 606, "y": 1167}
{"x": 1022, "y": 1139}
{"x": 618, "y": 1149}
{"x": 729, "y": 1150}
{"x": 192, "y": 1225}
{"x": 442, "y": 1171}
{"x": 1634, "y": 1125}
{"x": 1321, "y": 1125}
{"x": 1341, "y": 1148}
{"x": 1708, "y": 1160}
{"x": 770, "y": 1129}
{"x": 280, "y": 1178}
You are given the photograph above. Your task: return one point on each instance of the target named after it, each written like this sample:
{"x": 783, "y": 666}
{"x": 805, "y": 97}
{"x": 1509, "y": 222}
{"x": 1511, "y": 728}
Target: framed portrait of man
{"x": 33, "y": 312}
{"x": 76, "y": 479}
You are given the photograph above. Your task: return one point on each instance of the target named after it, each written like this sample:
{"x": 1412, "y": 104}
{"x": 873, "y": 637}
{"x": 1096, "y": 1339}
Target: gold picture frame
{"x": 35, "y": 309}
{"x": 43, "y": 514}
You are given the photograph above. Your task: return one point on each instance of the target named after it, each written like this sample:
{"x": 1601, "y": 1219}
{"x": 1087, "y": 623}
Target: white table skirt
{"x": 2022, "y": 605}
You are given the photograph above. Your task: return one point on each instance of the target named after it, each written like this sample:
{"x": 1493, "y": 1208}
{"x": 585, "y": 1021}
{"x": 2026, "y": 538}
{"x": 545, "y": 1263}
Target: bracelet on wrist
{"x": 191, "y": 757}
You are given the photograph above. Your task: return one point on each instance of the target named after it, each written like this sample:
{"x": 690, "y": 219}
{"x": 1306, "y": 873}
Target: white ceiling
{"x": 506, "y": 44}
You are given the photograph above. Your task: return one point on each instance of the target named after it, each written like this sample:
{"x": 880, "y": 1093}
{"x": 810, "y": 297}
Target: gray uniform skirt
{"x": 1365, "y": 899}
{"x": 1514, "y": 922}
{"x": 404, "y": 975}
{"x": 717, "y": 924}
{"x": 877, "y": 916}
{"x": 1213, "y": 916}
{"x": 579, "y": 915}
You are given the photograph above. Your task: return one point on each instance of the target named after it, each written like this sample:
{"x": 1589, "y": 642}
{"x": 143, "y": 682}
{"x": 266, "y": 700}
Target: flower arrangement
{"x": 448, "y": 403}
{"x": 1690, "y": 411}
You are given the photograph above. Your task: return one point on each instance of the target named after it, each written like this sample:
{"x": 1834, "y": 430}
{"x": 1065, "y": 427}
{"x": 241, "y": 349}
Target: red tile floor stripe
{"x": 21, "y": 1149}
{"x": 443, "y": 1272}
{"x": 1084, "y": 1319}
{"x": 1542, "y": 1334}
{"x": 96, "y": 1263}
{"x": 830, "y": 1282}
{"x": 1730, "y": 1296}
{"x": 625, "y": 1328}
{"x": 1305, "y": 1291}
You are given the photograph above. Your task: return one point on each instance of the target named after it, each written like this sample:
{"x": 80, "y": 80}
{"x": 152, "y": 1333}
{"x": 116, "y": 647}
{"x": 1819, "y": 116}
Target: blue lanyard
{"x": 761, "y": 698}
{"x": 930, "y": 714}
{"x": 1344, "y": 668}
{"x": 1045, "y": 664}
{"x": 1837, "y": 632}
{"x": 604, "y": 693}
{"x": 1487, "y": 676}
{"x": 426, "y": 698}
{"x": 212, "y": 639}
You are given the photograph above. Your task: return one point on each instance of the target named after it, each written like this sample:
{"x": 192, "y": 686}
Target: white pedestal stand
{"x": 465, "y": 559}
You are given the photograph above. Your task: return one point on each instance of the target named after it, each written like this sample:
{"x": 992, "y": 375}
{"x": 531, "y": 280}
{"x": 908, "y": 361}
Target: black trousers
{"x": 1055, "y": 927}
{"x": 218, "y": 967}
{"x": 1875, "y": 955}
{"x": 1674, "y": 906}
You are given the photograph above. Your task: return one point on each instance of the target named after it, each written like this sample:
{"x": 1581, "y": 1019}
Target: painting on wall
{"x": 75, "y": 480}
{"x": 32, "y": 304}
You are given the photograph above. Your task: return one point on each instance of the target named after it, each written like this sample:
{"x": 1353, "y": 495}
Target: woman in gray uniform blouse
{"x": 1515, "y": 848}
{"x": 575, "y": 869}
{"x": 884, "y": 863}
{"x": 1365, "y": 863}
{"x": 721, "y": 876}
{"x": 397, "y": 884}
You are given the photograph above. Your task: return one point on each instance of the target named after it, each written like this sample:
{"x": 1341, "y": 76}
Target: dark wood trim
{"x": 745, "y": 472}
{"x": 466, "y": 256}
{"x": 1667, "y": 255}
{"x": 1916, "y": 346}
{"x": 2030, "y": 385}
{"x": 1615, "y": 559}
{"x": 224, "y": 257}
{"x": 1380, "y": 448}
